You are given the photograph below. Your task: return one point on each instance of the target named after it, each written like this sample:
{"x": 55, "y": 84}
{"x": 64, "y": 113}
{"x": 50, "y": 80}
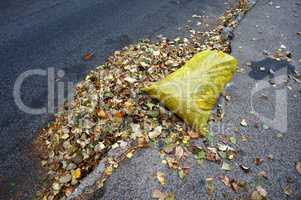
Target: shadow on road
{"x": 269, "y": 68}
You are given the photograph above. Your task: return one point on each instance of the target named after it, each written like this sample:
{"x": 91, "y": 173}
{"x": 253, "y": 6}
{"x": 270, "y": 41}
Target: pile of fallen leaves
{"x": 109, "y": 111}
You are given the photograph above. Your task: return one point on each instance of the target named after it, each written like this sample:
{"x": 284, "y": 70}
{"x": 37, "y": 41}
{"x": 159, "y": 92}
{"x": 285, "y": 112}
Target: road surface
{"x": 40, "y": 34}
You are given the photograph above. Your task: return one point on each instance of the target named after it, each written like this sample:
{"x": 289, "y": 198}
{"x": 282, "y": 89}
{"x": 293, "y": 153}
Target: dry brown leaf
{"x": 261, "y": 191}
{"x": 225, "y": 180}
{"x": 185, "y": 169}
{"x": 172, "y": 163}
{"x": 100, "y": 113}
{"x": 193, "y": 134}
{"x": 88, "y": 56}
{"x": 157, "y": 194}
{"x": 69, "y": 191}
{"x": 212, "y": 155}
{"x": 289, "y": 179}
{"x": 258, "y": 161}
{"x": 209, "y": 186}
{"x": 244, "y": 138}
{"x": 256, "y": 196}
{"x": 234, "y": 186}
{"x": 119, "y": 114}
{"x": 142, "y": 142}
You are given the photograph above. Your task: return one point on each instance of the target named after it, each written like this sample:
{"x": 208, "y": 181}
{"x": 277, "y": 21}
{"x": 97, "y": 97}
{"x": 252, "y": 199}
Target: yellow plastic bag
{"x": 192, "y": 91}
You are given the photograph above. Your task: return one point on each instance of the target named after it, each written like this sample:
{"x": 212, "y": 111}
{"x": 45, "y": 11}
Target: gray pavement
{"x": 266, "y": 27}
{"x": 43, "y": 34}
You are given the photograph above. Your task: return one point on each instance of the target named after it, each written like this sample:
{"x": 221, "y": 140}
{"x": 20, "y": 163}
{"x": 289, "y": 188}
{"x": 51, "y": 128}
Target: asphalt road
{"x": 40, "y": 34}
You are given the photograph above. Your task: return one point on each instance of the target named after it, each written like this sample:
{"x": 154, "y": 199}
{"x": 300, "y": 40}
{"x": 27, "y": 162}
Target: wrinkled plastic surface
{"x": 191, "y": 92}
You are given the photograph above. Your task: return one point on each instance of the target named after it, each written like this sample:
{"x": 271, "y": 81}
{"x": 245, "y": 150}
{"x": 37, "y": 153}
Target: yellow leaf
{"x": 76, "y": 173}
{"x": 161, "y": 177}
{"x": 130, "y": 154}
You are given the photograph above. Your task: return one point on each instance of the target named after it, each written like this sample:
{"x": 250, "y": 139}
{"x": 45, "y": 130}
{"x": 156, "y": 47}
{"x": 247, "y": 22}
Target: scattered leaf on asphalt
{"x": 170, "y": 196}
{"x": 244, "y": 123}
{"x": 232, "y": 139}
{"x": 157, "y": 194}
{"x": 130, "y": 154}
{"x": 209, "y": 186}
{"x": 279, "y": 135}
{"x": 261, "y": 191}
{"x": 258, "y": 161}
{"x": 181, "y": 173}
{"x": 226, "y": 166}
{"x": 225, "y": 180}
{"x": 289, "y": 179}
{"x": 185, "y": 169}
{"x": 231, "y": 154}
{"x": 244, "y": 168}
{"x": 265, "y": 127}
{"x": 161, "y": 177}
{"x": 234, "y": 185}
{"x": 298, "y": 167}
{"x": 88, "y": 56}
{"x": 172, "y": 163}
{"x": 231, "y": 183}
{"x": 256, "y": 196}
{"x": 212, "y": 154}
{"x": 288, "y": 191}
{"x": 270, "y": 157}
{"x": 263, "y": 174}
{"x": 179, "y": 152}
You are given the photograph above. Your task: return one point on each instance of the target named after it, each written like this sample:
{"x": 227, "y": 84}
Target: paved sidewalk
{"x": 266, "y": 27}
